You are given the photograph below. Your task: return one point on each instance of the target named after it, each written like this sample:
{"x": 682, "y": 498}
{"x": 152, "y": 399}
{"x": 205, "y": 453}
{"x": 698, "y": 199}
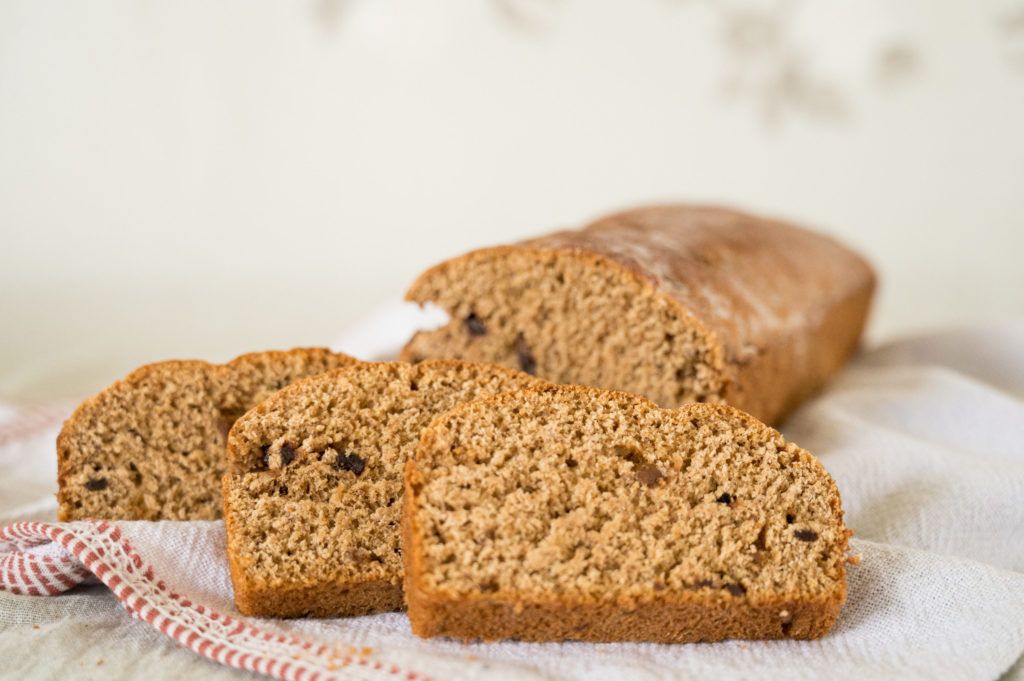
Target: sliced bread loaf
{"x": 312, "y": 499}
{"x": 575, "y": 513}
{"x": 678, "y": 303}
{"x": 151, "y": 446}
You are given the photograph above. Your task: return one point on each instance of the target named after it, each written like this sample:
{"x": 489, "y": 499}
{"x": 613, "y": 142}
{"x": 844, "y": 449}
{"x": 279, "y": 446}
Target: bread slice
{"x": 678, "y": 303}
{"x": 576, "y": 513}
{"x": 312, "y": 499}
{"x": 151, "y": 446}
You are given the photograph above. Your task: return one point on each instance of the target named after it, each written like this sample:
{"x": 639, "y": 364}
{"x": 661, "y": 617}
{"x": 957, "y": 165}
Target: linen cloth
{"x": 925, "y": 438}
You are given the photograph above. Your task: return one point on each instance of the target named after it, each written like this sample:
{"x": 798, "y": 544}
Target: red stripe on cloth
{"x": 66, "y": 579}
{"x": 39, "y": 574}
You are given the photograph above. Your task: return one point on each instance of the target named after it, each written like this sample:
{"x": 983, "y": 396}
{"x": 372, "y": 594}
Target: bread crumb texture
{"x": 314, "y": 492}
{"x": 151, "y": 446}
{"x": 576, "y": 513}
{"x": 677, "y": 303}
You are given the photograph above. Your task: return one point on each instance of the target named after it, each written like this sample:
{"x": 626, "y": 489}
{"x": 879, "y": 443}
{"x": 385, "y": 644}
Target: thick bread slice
{"x": 577, "y": 513}
{"x": 677, "y": 303}
{"x": 151, "y": 446}
{"x": 312, "y": 498}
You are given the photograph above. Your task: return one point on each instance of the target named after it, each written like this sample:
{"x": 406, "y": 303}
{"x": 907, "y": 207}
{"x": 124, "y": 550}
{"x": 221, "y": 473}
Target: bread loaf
{"x": 677, "y": 303}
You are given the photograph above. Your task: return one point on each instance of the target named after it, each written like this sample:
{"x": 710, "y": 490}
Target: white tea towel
{"x": 924, "y": 438}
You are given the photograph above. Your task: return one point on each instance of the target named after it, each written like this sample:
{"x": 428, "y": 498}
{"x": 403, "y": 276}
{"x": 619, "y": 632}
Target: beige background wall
{"x": 200, "y": 179}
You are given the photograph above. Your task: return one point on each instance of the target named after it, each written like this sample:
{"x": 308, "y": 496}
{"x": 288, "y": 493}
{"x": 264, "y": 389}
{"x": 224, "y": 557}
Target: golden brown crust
{"x": 661, "y": 620}
{"x": 769, "y": 383}
{"x": 783, "y": 308}
{"x": 223, "y": 390}
{"x": 665, "y": 616}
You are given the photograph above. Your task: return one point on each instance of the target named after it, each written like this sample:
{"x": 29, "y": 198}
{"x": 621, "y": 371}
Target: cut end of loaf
{"x": 569, "y": 317}
{"x": 151, "y": 447}
{"x": 582, "y": 514}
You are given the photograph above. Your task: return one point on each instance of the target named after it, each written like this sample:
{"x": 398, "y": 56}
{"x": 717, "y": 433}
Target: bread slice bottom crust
{"x": 666, "y": 620}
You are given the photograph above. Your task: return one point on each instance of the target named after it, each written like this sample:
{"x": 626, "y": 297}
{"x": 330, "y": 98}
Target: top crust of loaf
{"x": 209, "y": 398}
{"x": 778, "y": 307}
{"x": 737, "y": 276}
{"x": 744, "y": 276}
